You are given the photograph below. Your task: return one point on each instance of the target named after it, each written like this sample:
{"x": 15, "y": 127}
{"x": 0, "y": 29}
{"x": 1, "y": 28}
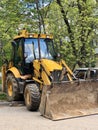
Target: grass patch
{"x": 3, "y": 96}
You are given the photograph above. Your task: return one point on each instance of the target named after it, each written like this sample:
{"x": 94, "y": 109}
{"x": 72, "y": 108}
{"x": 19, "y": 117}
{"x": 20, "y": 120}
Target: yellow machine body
{"x": 62, "y": 96}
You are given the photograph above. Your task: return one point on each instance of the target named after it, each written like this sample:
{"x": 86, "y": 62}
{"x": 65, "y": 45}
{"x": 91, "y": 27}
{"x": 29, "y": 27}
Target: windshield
{"x": 31, "y": 49}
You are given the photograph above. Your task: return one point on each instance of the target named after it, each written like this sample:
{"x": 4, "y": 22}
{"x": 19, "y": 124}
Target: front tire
{"x": 12, "y": 88}
{"x": 32, "y": 97}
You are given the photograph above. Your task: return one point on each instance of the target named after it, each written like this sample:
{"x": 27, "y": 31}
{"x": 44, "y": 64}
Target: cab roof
{"x": 24, "y": 34}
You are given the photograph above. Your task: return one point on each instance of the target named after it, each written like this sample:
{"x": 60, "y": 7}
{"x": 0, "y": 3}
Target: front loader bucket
{"x": 68, "y": 100}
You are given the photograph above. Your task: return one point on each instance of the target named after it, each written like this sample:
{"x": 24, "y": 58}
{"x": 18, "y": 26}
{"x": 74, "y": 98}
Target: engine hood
{"x": 51, "y": 65}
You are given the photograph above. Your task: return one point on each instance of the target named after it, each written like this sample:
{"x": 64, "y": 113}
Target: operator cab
{"x": 28, "y": 47}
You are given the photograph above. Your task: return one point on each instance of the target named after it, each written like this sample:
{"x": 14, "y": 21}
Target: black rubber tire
{"x": 33, "y": 92}
{"x": 15, "y": 96}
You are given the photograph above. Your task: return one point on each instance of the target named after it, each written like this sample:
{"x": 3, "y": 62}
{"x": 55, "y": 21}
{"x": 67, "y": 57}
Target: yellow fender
{"x": 15, "y": 72}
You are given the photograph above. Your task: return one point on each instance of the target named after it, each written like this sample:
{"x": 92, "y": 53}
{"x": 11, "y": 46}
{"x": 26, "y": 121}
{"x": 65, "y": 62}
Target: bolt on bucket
{"x": 68, "y": 100}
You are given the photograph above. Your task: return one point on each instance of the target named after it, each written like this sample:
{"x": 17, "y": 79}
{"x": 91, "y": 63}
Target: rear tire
{"x": 12, "y": 88}
{"x": 32, "y": 97}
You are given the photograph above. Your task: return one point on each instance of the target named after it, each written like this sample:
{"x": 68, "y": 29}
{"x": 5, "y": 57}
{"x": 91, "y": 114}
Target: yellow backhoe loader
{"x": 46, "y": 84}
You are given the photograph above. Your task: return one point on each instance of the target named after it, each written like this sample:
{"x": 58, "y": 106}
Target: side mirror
{"x": 58, "y": 55}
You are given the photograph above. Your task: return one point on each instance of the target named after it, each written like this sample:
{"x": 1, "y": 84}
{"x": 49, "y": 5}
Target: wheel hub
{"x": 10, "y": 89}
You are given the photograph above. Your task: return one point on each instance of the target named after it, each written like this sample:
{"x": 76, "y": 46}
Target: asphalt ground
{"x": 17, "y": 117}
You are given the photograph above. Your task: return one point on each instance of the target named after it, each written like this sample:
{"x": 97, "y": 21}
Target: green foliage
{"x": 3, "y": 96}
{"x": 73, "y": 23}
